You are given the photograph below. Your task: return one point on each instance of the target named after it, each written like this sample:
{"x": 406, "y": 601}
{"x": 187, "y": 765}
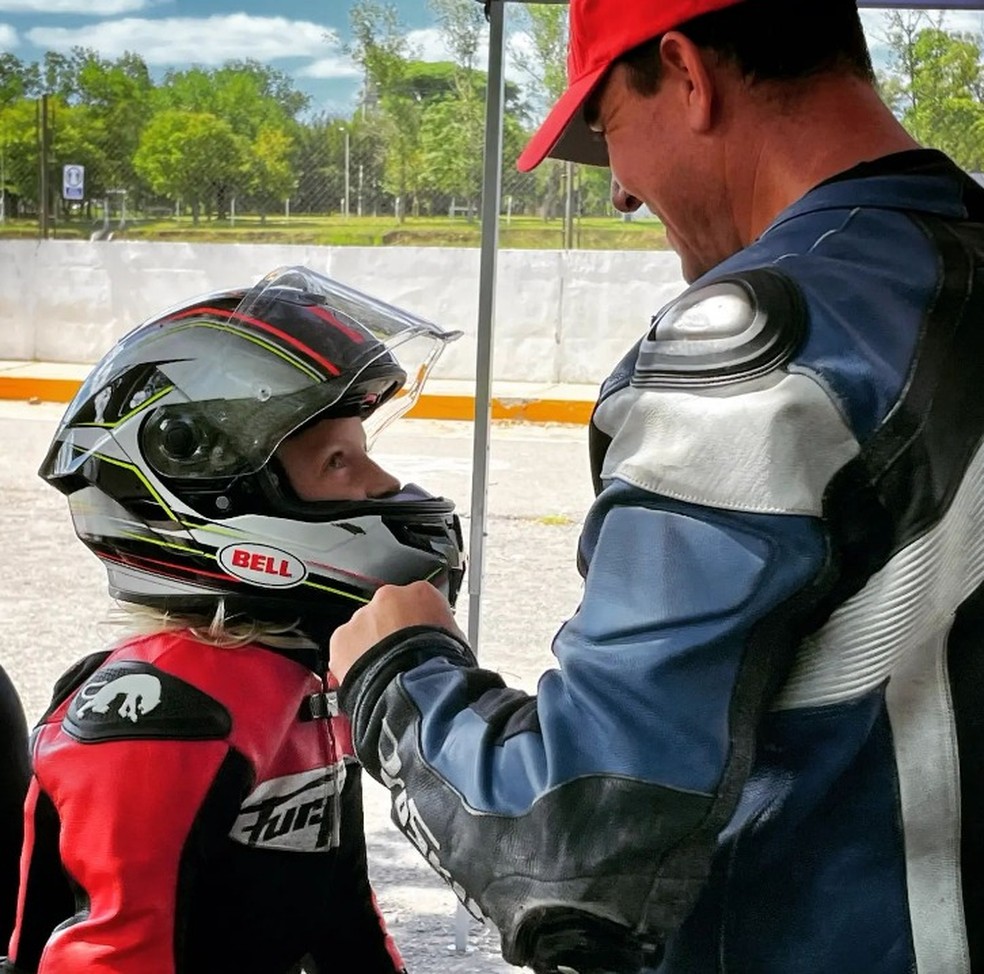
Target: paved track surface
{"x": 54, "y": 606}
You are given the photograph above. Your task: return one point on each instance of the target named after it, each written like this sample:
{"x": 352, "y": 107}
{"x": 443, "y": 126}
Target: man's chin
{"x": 687, "y": 262}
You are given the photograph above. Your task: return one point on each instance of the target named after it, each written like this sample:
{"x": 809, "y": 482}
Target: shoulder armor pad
{"x": 735, "y": 328}
{"x": 70, "y": 680}
{"x": 131, "y": 699}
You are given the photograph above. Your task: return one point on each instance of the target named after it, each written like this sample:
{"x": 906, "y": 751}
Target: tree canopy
{"x": 242, "y": 134}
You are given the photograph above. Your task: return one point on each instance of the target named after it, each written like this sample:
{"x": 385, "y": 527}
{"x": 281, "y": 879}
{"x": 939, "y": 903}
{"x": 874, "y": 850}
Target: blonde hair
{"x": 217, "y": 629}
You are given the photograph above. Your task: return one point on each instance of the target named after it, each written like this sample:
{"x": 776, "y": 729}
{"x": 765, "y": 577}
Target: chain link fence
{"x": 74, "y": 165}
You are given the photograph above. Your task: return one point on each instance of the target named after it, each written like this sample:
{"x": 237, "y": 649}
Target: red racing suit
{"x": 204, "y": 805}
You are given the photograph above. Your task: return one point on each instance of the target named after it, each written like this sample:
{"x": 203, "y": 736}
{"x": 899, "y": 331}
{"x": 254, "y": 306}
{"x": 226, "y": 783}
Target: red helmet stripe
{"x": 266, "y": 326}
{"x": 342, "y": 571}
{"x": 135, "y": 560}
{"x": 332, "y": 320}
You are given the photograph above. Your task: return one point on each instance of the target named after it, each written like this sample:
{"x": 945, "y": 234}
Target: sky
{"x": 304, "y": 38}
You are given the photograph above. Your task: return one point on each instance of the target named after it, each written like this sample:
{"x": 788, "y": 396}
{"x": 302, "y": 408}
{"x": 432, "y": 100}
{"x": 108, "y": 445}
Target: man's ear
{"x": 684, "y": 66}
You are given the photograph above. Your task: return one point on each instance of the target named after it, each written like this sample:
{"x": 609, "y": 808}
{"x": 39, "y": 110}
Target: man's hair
{"x": 768, "y": 40}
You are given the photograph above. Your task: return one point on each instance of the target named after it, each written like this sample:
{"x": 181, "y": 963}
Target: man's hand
{"x": 393, "y": 607}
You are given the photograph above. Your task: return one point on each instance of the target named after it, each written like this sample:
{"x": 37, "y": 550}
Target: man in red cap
{"x": 762, "y": 750}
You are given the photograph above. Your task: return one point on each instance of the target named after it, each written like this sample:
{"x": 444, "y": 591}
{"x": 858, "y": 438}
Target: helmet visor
{"x": 298, "y": 346}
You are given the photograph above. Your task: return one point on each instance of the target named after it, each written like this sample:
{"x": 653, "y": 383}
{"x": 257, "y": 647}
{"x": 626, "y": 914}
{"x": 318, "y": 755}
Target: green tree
{"x": 453, "y": 125}
{"x": 542, "y": 56}
{"x": 16, "y": 78}
{"x": 369, "y": 148}
{"x": 462, "y": 28}
{"x": 540, "y": 52}
{"x": 56, "y": 75}
{"x": 112, "y": 104}
{"x": 936, "y": 86}
{"x": 80, "y": 138}
{"x": 319, "y": 153}
{"x": 448, "y": 157}
{"x": 270, "y": 170}
{"x": 259, "y": 104}
{"x": 246, "y": 94}
{"x": 193, "y": 157}
{"x": 380, "y": 47}
{"x": 19, "y": 154}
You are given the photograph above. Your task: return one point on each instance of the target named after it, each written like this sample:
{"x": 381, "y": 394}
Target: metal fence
{"x": 69, "y": 171}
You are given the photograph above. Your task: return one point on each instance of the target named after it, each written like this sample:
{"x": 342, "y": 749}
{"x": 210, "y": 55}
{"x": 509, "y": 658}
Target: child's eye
{"x": 335, "y": 462}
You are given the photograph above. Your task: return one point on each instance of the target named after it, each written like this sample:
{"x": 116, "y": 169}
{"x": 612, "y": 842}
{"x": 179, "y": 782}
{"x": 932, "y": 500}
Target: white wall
{"x": 560, "y": 316}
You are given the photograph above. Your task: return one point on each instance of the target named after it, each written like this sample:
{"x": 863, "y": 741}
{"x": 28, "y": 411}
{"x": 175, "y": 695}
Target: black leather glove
{"x": 583, "y": 945}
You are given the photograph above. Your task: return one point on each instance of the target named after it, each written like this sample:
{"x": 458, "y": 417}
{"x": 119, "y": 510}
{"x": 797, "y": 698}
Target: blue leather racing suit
{"x": 762, "y": 749}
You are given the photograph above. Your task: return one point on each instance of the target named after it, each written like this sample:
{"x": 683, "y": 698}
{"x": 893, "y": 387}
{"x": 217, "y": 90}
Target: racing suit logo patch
{"x": 130, "y": 699}
{"x": 141, "y": 693}
{"x": 295, "y": 813}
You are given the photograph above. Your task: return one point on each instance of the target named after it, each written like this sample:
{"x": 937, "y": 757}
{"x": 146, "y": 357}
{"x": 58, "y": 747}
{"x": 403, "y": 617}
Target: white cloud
{"x": 330, "y": 67}
{"x": 95, "y": 8}
{"x": 194, "y": 40}
{"x": 428, "y": 45}
{"x": 8, "y": 37}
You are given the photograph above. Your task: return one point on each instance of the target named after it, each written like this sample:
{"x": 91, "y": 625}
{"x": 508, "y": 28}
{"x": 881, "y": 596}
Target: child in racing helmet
{"x": 195, "y": 805}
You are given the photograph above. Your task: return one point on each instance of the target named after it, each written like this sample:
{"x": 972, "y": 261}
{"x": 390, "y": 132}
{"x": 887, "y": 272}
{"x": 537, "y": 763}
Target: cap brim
{"x": 564, "y": 133}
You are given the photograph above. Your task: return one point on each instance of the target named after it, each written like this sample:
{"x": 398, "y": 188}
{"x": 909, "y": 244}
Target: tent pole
{"x": 491, "y": 198}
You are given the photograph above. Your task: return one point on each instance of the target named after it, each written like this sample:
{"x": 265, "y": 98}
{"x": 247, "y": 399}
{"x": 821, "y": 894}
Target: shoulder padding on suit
{"x": 131, "y": 699}
{"x": 729, "y": 330}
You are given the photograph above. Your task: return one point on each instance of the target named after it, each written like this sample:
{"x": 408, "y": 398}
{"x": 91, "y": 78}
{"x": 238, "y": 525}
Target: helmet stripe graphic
{"x": 350, "y": 333}
{"x": 167, "y": 544}
{"x": 133, "y": 412}
{"x": 280, "y": 353}
{"x": 140, "y": 476}
{"x": 336, "y": 591}
{"x": 266, "y": 326}
{"x": 131, "y": 559}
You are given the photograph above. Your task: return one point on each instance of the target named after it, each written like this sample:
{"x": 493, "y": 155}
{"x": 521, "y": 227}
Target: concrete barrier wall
{"x": 560, "y": 316}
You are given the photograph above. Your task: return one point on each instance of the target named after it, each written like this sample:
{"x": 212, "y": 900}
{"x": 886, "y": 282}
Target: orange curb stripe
{"x": 517, "y": 410}
{"x": 451, "y": 407}
{"x": 38, "y": 388}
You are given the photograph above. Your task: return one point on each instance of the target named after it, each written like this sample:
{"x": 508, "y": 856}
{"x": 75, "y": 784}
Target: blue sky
{"x": 304, "y": 38}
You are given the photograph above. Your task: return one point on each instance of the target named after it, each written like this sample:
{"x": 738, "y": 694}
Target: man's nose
{"x": 622, "y": 201}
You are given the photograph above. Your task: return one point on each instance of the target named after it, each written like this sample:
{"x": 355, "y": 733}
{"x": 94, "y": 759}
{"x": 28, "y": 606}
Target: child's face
{"x": 328, "y": 461}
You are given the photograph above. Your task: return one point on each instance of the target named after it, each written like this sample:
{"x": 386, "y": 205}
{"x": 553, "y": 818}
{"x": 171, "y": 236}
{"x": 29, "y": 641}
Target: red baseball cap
{"x": 601, "y": 32}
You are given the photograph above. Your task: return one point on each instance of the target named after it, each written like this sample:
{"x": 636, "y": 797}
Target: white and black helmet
{"x": 166, "y": 454}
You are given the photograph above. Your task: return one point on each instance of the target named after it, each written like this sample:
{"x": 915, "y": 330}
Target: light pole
{"x": 568, "y": 205}
{"x": 348, "y": 166}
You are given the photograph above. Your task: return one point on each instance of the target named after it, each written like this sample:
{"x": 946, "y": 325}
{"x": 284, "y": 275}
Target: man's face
{"x": 329, "y": 462}
{"x": 657, "y": 159}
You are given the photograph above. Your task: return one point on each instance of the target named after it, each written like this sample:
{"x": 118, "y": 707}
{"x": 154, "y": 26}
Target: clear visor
{"x": 298, "y": 346}
{"x": 379, "y": 341}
